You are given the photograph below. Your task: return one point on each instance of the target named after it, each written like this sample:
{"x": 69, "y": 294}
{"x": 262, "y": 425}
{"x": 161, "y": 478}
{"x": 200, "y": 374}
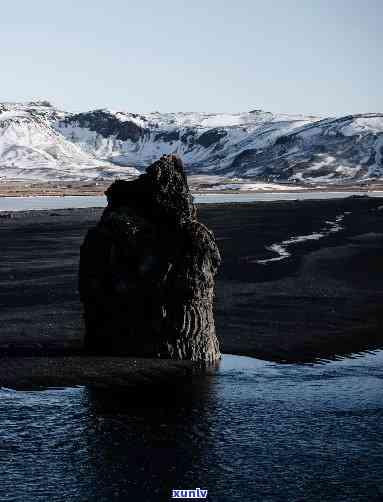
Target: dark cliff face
{"x": 212, "y": 136}
{"x": 107, "y": 125}
{"x": 167, "y": 136}
{"x": 147, "y": 271}
{"x": 289, "y": 155}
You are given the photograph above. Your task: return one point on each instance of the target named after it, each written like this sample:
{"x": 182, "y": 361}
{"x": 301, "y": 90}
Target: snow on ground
{"x": 281, "y": 248}
{"x": 255, "y": 187}
{"x": 366, "y": 124}
{"x": 39, "y": 141}
{"x": 31, "y": 149}
{"x": 376, "y": 169}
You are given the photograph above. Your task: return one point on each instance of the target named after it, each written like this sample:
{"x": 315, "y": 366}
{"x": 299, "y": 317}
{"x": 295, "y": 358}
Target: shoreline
{"x": 322, "y": 302}
{"x": 75, "y": 188}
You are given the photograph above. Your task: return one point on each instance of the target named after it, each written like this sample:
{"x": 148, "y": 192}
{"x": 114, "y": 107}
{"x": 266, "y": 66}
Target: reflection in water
{"x": 149, "y": 444}
{"x": 252, "y": 430}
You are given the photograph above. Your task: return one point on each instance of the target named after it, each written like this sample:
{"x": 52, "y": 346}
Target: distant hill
{"x": 39, "y": 141}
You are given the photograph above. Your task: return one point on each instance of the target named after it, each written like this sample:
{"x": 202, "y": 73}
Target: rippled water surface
{"x": 251, "y": 430}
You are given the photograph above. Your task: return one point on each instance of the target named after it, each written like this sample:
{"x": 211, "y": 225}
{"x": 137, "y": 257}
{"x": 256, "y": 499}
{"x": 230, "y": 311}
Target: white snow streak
{"x": 281, "y": 248}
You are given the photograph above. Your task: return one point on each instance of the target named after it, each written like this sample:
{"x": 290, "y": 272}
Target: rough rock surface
{"x": 147, "y": 271}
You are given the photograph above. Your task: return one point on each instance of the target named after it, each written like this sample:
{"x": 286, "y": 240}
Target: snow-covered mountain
{"x": 32, "y": 148}
{"x": 40, "y": 141}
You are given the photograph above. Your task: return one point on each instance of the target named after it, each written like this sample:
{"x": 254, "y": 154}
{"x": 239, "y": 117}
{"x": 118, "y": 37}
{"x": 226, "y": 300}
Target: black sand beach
{"x": 323, "y": 301}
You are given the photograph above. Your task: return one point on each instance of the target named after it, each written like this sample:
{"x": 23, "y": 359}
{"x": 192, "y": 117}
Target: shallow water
{"x": 250, "y": 430}
{"x": 72, "y": 201}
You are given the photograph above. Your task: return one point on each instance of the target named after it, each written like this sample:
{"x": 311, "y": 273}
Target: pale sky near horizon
{"x": 308, "y": 56}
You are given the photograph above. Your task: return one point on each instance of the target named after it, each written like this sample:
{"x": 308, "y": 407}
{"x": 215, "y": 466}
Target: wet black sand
{"x": 323, "y": 301}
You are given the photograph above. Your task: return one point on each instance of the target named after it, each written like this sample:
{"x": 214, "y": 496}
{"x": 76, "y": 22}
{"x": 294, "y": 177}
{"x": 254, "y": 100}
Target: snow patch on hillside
{"x": 39, "y": 141}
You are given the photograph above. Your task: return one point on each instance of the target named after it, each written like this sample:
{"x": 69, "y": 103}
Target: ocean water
{"x": 247, "y": 430}
{"x": 71, "y": 201}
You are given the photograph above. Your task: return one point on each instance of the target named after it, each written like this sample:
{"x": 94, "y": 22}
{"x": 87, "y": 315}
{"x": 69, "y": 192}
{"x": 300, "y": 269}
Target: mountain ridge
{"x": 39, "y": 141}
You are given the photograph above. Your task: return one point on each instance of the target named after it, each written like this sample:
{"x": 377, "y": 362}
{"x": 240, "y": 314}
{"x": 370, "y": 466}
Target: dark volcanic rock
{"x": 212, "y": 136}
{"x": 147, "y": 271}
{"x": 106, "y": 124}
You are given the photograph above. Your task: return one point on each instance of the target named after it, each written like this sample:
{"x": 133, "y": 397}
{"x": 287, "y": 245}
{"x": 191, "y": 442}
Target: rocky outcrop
{"x": 147, "y": 271}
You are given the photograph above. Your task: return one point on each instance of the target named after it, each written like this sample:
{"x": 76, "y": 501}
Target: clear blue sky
{"x": 311, "y": 56}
